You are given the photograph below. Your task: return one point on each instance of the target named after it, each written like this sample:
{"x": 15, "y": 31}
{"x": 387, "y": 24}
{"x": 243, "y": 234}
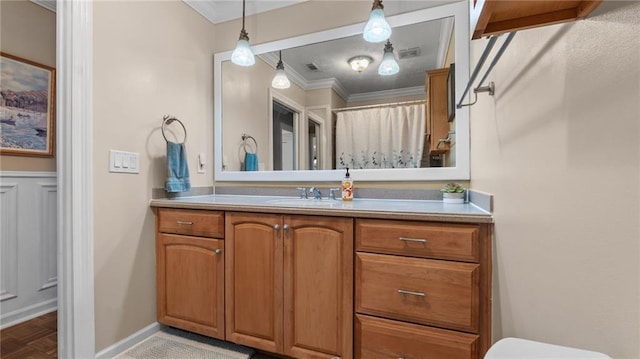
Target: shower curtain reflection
{"x": 387, "y": 137}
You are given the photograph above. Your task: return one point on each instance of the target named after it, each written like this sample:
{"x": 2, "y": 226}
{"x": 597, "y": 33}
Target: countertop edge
{"x": 354, "y": 213}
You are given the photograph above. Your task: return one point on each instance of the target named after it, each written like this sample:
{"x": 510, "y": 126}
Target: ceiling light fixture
{"x": 377, "y": 28}
{"x": 360, "y": 63}
{"x": 280, "y": 80}
{"x": 389, "y": 65}
{"x": 242, "y": 55}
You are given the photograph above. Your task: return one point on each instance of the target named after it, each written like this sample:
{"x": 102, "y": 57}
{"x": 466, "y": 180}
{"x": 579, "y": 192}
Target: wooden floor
{"x": 37, "y": 339}
{"x": 34, "y": 339}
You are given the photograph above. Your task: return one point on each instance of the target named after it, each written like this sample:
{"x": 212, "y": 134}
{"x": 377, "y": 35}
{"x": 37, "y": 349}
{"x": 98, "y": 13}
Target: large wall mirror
{"x": 336, "y": 114}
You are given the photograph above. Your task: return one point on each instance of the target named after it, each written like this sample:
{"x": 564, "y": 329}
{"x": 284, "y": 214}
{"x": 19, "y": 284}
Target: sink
{"x": 300, "y": 202}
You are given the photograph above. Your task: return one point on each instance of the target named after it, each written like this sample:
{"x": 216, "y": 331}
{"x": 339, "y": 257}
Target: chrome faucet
{"x": 332, "y": 192}
{"x": 316, "y": 192}
{"x": 303, "y": 192}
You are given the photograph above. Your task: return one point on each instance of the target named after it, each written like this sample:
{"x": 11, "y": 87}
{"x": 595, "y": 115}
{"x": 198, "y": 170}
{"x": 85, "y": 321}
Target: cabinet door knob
{"x": 276, "y": 227}
{"x": 285, "y": 227}
{"x": 217, "y": 251}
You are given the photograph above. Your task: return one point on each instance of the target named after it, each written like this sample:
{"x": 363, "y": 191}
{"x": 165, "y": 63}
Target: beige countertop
{"x": 422, "y": 210}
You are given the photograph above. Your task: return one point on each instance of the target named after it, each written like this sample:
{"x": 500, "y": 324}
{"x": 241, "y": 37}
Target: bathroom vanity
{"x": 323, "y": 279}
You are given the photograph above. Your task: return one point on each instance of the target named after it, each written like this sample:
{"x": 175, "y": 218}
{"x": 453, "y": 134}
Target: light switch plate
{"x": 124, "y": 162}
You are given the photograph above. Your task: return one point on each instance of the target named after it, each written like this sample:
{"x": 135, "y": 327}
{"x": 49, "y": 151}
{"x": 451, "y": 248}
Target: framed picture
{"x": 27, "y": 107}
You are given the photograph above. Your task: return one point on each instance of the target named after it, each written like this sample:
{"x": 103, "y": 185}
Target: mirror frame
{"x": 461, "y": 171}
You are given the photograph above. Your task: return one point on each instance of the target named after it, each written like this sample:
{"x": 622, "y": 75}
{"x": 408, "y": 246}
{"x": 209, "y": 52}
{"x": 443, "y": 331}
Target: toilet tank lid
{"x": 516, "y": 348}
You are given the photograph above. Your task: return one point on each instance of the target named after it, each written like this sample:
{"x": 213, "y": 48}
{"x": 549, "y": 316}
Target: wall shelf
{"x": 493, "y": 17}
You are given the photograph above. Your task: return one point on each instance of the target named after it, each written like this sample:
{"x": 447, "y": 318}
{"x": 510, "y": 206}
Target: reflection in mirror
{"x": 334, "y": 116}
{"x": 285, "y": 122}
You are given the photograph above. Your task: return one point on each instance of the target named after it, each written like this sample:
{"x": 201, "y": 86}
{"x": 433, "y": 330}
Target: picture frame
{"x": 27, "y": 107}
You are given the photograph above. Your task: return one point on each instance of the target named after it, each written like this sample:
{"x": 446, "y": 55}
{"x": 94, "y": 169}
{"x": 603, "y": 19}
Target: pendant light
{"x": 377, "y": 28}
{"x": 280, "y": 80}
{"x": 389, "y": 65}
{"x": 242, "y": 55}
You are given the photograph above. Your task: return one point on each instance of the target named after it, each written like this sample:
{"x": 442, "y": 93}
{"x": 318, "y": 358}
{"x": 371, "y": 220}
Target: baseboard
{"x": 26, "y": 313}
{"x": 128, "y": 342}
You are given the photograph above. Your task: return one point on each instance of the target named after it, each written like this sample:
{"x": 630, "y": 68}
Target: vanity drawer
{"x": 378, "y": 338}
{"x": 424, "y": 291}
{"x": 419, "y": 239}
{"x": 191, "y": 222}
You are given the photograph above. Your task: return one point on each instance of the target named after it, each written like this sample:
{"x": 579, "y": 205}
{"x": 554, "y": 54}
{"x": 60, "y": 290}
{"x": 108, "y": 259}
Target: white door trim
{"x": 76, "y": 324}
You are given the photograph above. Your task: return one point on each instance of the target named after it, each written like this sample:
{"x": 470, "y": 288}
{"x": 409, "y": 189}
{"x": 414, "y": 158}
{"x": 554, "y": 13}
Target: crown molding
{"x": 272, "y": 60}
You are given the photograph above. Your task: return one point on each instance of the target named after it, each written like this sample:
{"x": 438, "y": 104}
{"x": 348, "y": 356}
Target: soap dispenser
{"x": 347, "y": 187}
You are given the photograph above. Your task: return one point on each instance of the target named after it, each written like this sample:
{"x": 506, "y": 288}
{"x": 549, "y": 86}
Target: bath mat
{"x": 170, "y": 343}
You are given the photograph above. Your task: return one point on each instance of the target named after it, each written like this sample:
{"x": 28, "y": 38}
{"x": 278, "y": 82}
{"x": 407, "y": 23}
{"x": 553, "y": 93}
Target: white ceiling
{"x": 218, "y": 11}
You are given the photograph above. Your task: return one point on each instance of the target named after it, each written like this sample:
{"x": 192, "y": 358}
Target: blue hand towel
{"x": 250, "y": 161}
{"x": 177, "y": 168}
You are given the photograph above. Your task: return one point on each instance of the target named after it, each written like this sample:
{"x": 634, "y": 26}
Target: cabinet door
{"x": 253, "y": 286}
{"x": 437, "y": 110}
{"x": 318, "y": 287}
{"x": 190, "y": 283}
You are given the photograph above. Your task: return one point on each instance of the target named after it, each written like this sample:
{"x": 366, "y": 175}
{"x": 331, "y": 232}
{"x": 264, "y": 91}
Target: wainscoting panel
{"x": 48, "y": 230}
{"x": 28, "y": 281}
{"x": 9, "y": 240}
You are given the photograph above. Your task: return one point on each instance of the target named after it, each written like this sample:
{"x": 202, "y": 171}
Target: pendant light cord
{"x": 243, "y": 33}
{"x": 243, "y": 4}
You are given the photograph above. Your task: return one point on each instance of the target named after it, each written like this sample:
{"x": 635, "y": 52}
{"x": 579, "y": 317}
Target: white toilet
{"x": 515, "y": 348}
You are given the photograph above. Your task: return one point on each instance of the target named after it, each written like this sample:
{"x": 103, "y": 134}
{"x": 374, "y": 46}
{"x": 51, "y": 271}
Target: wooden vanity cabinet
{"x": 289, "y": 284}
{"x": 422, "y": 289}
{"x": 493, "y": 17}
{"x": 437, "y": 111}
{"x": 190, "y": 270}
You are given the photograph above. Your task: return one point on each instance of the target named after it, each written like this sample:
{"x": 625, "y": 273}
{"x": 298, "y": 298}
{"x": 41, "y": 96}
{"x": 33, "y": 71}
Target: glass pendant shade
{"x": 280, "y": 80}
{"x": 377, "y": 28}
{"x": 242, "y": 55}
{"x": 389, "y": 65}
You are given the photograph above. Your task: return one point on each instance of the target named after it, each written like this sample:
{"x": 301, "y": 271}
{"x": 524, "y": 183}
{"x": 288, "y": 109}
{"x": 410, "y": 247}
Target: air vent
{"x": 408, "y": 53}
{"x": 312, "y": 67}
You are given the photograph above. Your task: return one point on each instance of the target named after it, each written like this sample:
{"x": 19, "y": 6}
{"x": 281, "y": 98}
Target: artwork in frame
{"x": 27, "y": 107}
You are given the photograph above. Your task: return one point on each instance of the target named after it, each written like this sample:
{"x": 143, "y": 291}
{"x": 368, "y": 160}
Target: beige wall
{"x": 150, "y": 58}
{"x": 269, "y": 26}
{"x": 558, "y": 146}
{"x": 28, "y": 30}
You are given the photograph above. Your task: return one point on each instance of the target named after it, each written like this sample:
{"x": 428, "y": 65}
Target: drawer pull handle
{"x": 418, "y": 294}
{"x": 405, "y": 239}
{"x": 217, "y": 251}
{"x": 185, "y": 223}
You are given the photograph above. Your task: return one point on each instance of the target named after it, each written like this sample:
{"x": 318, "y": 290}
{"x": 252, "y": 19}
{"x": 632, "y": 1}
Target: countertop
{"x": 423, "y": 210}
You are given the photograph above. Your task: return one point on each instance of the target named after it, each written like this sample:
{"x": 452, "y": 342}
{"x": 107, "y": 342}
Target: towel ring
{"x": 167, "y": 120}
{"x": 246, "y": 137}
